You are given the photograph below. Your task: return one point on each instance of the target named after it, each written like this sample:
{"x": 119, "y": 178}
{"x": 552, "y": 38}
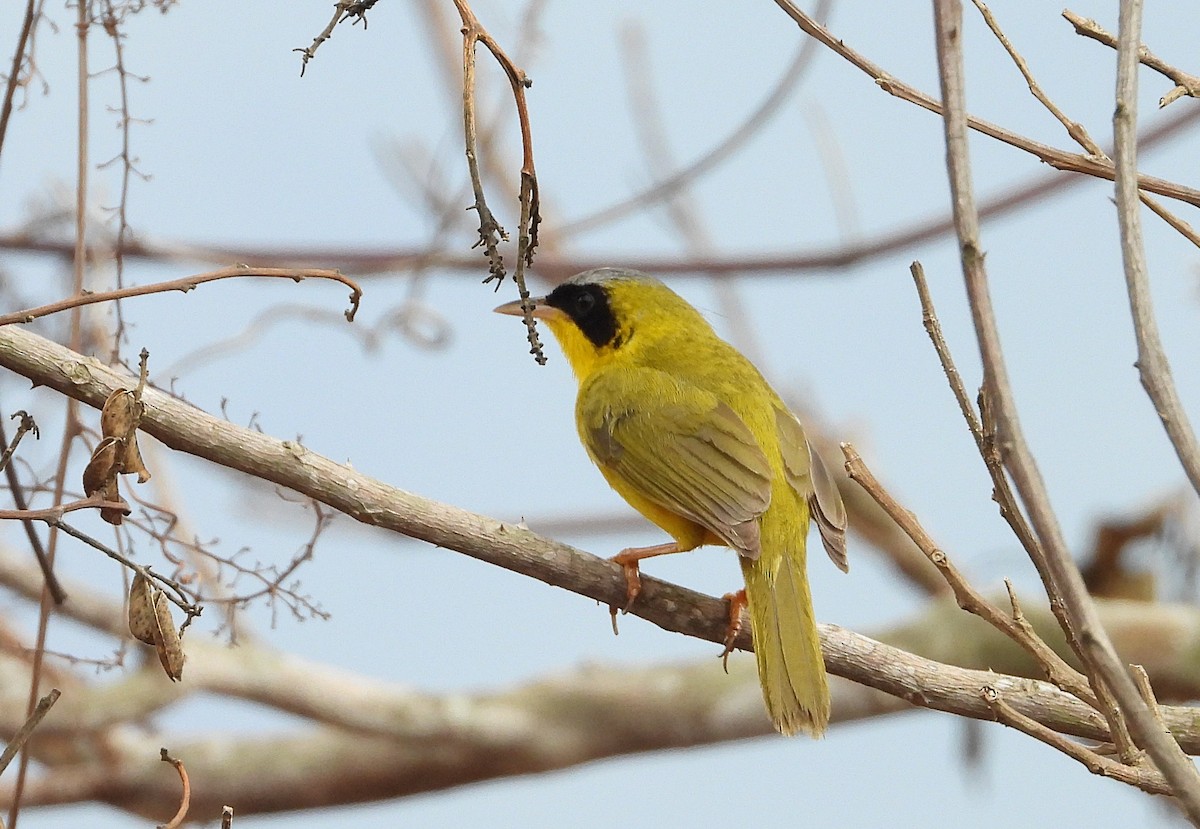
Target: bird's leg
{"x": 737, "y": 603}
{"x": 628, "y": 559}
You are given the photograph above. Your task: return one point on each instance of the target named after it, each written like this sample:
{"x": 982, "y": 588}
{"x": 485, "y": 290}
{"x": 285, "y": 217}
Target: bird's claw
{"x": 633, "y": 586}
{"x": 737, "y": 601}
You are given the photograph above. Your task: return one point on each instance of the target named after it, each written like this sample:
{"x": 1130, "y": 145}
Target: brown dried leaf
{"x": 132, "y": 460}
{"x": 170, "y": 647}
{"x": 102, "y": 469}
{"x": 120, "y": 417}
{"x": 143, "y": 623}
{"x": 121, "y": 414}
{"x": 100, "y": 477}
{"x": 112, "y": 515}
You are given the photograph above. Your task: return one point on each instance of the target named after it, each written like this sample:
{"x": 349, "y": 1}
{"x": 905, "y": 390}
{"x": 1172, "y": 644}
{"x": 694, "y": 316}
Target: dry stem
{"x": 969, "y": 599}
{"x": 1185, "y": 84}
{"x": 1072, "y": 162}
{"x": 186, "y": 284}
{"x": 22, "y": 736}
{"x": 185, "y": 797}
{"x": 490, "y": 231}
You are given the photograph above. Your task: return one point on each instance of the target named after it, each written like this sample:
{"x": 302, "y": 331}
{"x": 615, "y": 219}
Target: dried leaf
{"x": 120, "y": 417}
{"x": 121, "y": 414}
{"x": 100, "y": 477}
{"x": 102, "y": 468}
{"x": 170, "y": 647}
{"x": 143, "y": 623}
{"x": 150, "y": 622}
{"x": 132, "y": 460}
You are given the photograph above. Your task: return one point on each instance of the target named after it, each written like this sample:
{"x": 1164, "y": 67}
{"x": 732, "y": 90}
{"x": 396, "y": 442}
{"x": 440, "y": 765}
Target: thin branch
{"x": 1084, "y": 629}
{"x": 1145, "y": 778}
{"x": 1156, "y": 377}
{"x": 1074, "y": 128}
{"x": 1185, "y": 84}
{"x": 490, "y": 231}
{"x": 185, "y": 797}
{"x": 1071, "y": 162}
{"x": 343, "y": 10}
{"x": 184, "y": 285}
{"x": 14, "y": 74}
{"x": 969, "y": 599}
{"x": 1154, "y": 370}
{"x": 18, "y": 495}
{"x": 22, "y": 736}
{"x": 52, "y": 515}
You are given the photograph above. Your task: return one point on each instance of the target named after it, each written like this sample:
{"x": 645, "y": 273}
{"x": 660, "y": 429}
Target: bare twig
{"x": 1065, "y": 582}
{"x": 26, "y": 425}
{"x": 1185, "y": 84}
{"x": 177, "y": 594}
{"x": 18, "y": 494}
{"x": 1154, "y": 370}
{"x": 52, "y": 515}
{"x": 1143, "y": 777}
{"x": 21, "y": 737}
{"x": 1156, "y": 377}
{"x": 490, "y": 231}
{"x": 1075, "y": 129}
{"x": 969, "y": 599}
{"x": 343, "y": 10}
{"x": 1072, "y": 162}
{"x": 186, "y": 284}
{"x": 1049, "y": 554}
{"x": 185, "y": 797}
{"x": 14, "y": 74}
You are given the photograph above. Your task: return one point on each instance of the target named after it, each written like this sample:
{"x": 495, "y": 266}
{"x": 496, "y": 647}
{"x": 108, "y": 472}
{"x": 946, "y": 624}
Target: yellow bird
{"x": 688, "y": 431}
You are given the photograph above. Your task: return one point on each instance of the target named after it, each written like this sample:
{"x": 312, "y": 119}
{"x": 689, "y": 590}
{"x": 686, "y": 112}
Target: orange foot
{"x": 737, "y": 603}
{"x": 628, "y": 559}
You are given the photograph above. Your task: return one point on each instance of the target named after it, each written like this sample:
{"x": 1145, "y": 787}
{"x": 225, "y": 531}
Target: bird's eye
{"x": 584, "y": 303}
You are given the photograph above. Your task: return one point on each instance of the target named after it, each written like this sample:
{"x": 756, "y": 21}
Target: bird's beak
{"x": 538, "y": 305}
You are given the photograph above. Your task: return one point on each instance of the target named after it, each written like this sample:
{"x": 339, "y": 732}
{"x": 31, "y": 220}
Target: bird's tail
{"x": 790, "y": 667}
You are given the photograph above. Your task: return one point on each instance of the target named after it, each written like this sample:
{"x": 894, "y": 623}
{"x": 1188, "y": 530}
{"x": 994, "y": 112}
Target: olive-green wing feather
{"x": 680, "y": 447}
{"x": 811, "y": 479}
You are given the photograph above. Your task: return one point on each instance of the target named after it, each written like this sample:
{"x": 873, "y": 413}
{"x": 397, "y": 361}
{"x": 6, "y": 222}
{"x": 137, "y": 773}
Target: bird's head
{"x": 597, "y": 313}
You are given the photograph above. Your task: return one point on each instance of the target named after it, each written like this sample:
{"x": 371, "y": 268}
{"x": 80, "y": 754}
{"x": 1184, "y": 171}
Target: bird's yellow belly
{"x": 687, "y": 533}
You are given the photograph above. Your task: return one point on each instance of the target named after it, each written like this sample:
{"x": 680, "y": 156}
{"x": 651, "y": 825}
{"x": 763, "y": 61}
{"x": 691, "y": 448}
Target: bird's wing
{"x": 811, "y": 479}
{"x": 680, "y": 447}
